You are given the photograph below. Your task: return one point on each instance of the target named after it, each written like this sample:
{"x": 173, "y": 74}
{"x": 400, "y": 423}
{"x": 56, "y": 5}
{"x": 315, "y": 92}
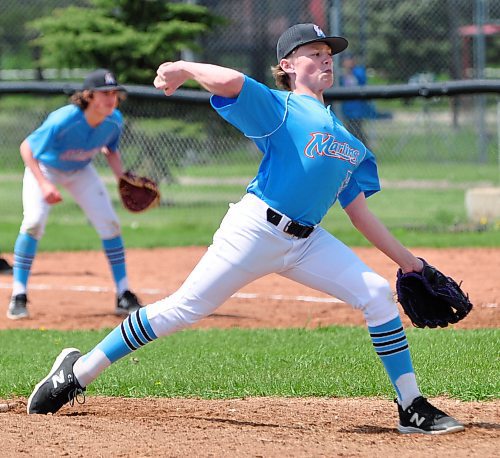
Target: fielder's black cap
{"x": 101, "y": 80}
{"x": 302, "y": 34}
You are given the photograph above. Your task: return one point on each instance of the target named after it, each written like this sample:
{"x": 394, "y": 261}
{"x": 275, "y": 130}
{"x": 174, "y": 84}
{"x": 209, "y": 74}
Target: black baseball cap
{"x": 101, "y": 80}
{"x": 302, "y": 34}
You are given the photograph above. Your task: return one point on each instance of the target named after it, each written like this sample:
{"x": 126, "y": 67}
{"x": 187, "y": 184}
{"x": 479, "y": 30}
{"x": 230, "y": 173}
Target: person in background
{"x": 356, "y": 111}
{"x": 5, "y": 267}
{"x": 60, "y": 153}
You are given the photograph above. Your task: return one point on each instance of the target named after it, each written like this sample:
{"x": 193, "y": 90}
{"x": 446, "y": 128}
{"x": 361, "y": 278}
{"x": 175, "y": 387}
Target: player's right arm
{"x": 50, "y": 192}
{"x": 221, "y": 81}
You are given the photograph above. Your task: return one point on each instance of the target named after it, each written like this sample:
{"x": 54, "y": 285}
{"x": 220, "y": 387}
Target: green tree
{"x": 14, "y": 50}
{"x": 128, "y": 36}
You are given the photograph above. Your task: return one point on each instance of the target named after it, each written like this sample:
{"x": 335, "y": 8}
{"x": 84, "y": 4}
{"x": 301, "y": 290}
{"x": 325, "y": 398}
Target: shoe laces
{"x": 77, "y": 394}
{"x": 423, "y": 406}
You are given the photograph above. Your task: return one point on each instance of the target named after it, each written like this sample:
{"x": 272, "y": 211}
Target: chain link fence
{"x": 397, "y": 40}
{"x": 196, "y": 156}
{"x": 171, "y": 140}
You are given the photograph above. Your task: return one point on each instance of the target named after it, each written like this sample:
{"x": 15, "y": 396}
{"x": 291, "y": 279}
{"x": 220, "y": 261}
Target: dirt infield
{"x": 72, "y": 291}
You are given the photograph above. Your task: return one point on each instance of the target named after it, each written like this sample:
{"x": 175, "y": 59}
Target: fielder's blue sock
{"x": 115, "y": 253}
{"x": 390, "y": 343}
{"x": 24, "y": 253}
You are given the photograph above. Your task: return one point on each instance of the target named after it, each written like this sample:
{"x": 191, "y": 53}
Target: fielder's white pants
{"x": 86, "y": 188}
{"x": 246, "y": 246}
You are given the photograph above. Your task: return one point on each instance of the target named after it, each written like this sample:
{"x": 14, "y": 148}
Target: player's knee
{"x": 35, "y": 228}
{"x": 190, "y": 316}
{"x": 381, "y": 306}
{"x": 176, "y": 312}
{"x": 192, "y": 308}
{"x": 109, "y": 229}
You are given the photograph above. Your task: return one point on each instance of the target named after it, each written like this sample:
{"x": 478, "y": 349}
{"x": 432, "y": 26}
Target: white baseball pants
{"x": 86, "y": 188}
{"x": 246, "y": 246}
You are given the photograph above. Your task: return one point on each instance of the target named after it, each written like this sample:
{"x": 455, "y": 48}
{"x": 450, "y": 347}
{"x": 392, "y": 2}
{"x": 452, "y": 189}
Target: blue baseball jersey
{"x": 309, "y": 159}
{"x": 66, "y": 141}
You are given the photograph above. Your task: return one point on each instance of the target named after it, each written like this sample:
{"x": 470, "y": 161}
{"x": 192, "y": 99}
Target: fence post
{"x": 498, "y": 138}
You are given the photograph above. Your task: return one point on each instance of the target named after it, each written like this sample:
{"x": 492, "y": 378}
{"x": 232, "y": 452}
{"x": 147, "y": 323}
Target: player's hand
{"x": 170, "y": 76}
{"x": 50, "y": 193}
{"x": 416, "y": 265}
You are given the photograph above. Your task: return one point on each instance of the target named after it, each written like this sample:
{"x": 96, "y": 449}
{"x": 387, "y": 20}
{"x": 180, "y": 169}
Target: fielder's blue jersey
{"x": 66, "y": 141}
{"x": 309, "y": 159}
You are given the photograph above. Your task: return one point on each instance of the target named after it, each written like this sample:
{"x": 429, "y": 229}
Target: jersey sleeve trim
{"x": 255, "y": 111}
{"x": 279, "y": 126}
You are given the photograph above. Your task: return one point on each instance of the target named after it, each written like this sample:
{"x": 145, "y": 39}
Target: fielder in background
{"x": 60, "y": 153}
{"x": 309, "y": 161}
{"x": 5, "y": 267}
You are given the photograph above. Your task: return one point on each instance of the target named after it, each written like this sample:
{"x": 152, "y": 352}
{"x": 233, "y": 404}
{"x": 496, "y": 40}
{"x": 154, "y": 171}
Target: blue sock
{"x": 390, "y": 343}
{"x": 24, "y": 253}
{"x": 115, "y": 253}
{"x": 133, "y": 333}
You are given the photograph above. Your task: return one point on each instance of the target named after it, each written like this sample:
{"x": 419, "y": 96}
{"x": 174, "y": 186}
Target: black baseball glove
{"x": 138, "y": 193}
{"x": 430, "y": 298}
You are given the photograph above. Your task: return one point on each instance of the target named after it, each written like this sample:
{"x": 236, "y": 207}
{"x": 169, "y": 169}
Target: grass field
{"x": 232, "y": 363}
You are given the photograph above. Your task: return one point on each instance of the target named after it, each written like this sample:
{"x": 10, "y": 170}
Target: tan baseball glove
{"x": 138, "y": 193}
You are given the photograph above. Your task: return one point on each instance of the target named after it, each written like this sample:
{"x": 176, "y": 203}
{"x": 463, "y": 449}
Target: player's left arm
{"x": 376, "y": 232}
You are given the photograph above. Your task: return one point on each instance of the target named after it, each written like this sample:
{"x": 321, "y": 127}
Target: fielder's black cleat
{"x": 59, "y": 387}
{"x": 127, "y": 303}
{"x": 5, "y": 267}
{"x": 17, "y": 307}
{"x": 422, "y": 417}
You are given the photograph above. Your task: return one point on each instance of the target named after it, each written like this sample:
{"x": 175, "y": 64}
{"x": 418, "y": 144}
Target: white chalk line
{"x": 155, "y": 291}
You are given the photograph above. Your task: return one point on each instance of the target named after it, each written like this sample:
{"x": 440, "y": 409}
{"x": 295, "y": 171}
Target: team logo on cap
{"x": 109, "y": 79}
{"x": 319, "y": 32}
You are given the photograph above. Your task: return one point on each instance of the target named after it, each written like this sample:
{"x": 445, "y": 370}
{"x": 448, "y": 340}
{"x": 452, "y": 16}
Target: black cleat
{"x": 422, "y": 417}
{"x": 5, "y": 267}
{"x": 127, "y": 303}
{"x": 59, "y": 387}
{"x": 17, "y": 307}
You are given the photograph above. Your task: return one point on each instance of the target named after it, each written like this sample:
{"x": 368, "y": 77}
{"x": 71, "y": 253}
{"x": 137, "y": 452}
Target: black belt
{"x": 293, "y": 228}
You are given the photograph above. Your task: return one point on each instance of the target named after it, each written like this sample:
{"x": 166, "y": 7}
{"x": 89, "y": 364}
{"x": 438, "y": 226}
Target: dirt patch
{"x": 74, "y": 291}
{"x": 253, "y": 427}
